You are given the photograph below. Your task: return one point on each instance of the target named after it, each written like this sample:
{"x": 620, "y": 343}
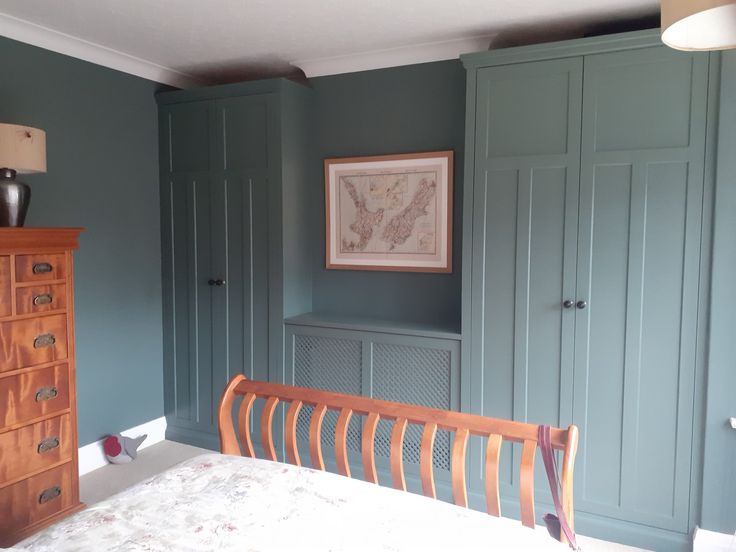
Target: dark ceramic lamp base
{"x": 14, "y": 199}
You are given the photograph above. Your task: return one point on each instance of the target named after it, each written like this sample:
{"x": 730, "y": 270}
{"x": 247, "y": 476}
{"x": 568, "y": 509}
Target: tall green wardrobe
{"x": 236, "y": 257}
{"x": 586, "y": 261}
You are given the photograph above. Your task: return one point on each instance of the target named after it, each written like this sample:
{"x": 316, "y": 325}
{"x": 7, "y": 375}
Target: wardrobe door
{"x": 187, "y": 262}
{"x": 641, "y": 204}
{"x": 524, "y": 241}
{"x": 241, "y": 173}
{"x": 215, "y": 243}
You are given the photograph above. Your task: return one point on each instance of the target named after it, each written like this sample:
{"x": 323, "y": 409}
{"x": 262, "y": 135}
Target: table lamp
{"x": 22, "y": 150}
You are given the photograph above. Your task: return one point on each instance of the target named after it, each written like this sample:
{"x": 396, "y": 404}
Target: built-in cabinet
{"x": 588, "y": 246}
{"x": 392, "y": 361}
{"x": 224, "y": 173}
{"x": 585, "y": 268}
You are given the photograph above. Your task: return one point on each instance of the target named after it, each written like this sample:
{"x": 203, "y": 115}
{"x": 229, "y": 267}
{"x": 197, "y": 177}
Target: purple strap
{"x": 550, "y": 465}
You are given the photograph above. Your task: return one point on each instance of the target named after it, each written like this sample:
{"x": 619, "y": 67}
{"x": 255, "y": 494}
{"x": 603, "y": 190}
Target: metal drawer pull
{"x": 43, "y": 299}
{"x": 48, "y": 444}
{"x": 44, "y": 340}
{"x": 42, "y": 268}
{"x": 49, "y": 494}
{"x": 47, "y": 393}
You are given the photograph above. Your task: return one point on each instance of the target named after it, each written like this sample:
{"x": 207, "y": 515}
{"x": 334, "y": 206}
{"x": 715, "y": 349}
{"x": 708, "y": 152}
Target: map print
{"x": 388, "y": 213}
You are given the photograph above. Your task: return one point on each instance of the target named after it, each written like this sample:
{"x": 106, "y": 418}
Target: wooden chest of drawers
{"x": 39, "y": 481}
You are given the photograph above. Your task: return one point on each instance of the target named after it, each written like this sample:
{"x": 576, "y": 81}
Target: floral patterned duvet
{"x": 224, "y": 503}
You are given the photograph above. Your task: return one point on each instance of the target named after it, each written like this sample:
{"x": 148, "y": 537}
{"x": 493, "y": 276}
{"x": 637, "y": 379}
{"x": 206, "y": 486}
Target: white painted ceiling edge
{"x": 50, "y": 39}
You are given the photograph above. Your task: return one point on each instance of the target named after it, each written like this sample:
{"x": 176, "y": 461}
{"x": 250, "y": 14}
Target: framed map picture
{"x": 390, "y": 212}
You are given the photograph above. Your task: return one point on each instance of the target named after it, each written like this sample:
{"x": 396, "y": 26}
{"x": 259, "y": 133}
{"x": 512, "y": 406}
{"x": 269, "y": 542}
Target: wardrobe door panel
{"x": 639, "y": 265}
{"x": 540, "y": 259}
{"x": 525, "y": 230}
{"x": 244, "y": 126}
{"x": 241, "y": 305}
{"x": 530, "y": 103}
{"x": 186, "y": 273}
{"x": 662, "y": 341}
{"x": 623, "y": 91}
{"x": 189, "y": 127}
{"x": 606, "y": 333}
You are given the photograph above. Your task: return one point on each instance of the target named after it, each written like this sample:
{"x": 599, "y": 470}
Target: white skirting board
{"x": 711, "y": 541}
{"x": 92, "y": 457}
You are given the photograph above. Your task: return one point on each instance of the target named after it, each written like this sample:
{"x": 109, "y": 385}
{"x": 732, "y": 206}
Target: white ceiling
{"x": 187, "y": 42}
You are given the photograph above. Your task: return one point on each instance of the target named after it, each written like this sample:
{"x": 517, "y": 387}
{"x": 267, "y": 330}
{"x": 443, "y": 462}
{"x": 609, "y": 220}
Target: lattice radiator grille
{"x": 418, "y": 376}
{"x": 334, "y": 365}
{"x": 400, "y": 373}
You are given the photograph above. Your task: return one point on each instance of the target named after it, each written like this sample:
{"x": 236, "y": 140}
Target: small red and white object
{"x": 122, "y": 450}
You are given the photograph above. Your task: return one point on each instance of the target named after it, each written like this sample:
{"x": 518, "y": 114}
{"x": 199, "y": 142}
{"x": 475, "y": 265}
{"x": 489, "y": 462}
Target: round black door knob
{"x": 568, "y": 303}
{"x": 581, "y": 304}
{"x": 216, "y": 282}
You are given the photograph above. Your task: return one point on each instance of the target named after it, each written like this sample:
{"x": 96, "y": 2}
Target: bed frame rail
{"x": 431, "y": 419}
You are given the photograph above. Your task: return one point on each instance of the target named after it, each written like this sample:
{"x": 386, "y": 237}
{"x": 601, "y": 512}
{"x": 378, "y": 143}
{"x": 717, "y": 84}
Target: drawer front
{"x": 40, "y": 298}
{"x": 35, "y": 499}
{"x": 33, "y": 341}
{"x": 34, "y": 394}
{"x": 5, "y": 286}
{"x": 35, "y": 447}
{"x": 37, "y": 268}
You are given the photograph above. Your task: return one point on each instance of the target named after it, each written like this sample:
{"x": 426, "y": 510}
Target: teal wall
{"x": 102, "y": 175}
{"x": 397, "y": 110}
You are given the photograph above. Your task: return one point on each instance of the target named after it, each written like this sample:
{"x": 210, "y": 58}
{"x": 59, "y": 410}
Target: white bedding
{"x": 225, "y": 503}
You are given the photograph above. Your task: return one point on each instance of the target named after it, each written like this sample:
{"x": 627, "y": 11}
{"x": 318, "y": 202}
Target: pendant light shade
{"x": 699, "y": 24}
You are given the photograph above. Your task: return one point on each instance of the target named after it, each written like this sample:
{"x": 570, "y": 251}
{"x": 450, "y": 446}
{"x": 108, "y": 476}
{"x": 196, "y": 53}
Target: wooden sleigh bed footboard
{"x": 462, "y": 425}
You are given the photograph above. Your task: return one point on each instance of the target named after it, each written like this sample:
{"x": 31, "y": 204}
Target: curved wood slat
{"x": 459, "y": 489}
{"x": 397, "y": 454}
{"x": 493, "y": 453}
{"x": 267, "y": 428}
{"x": 315, "y": 437}
{"x": 566, "y": 479}
{"x": 292, "y": 416}
{"x": 244, "y": 424}
{"x": 341, "y": 441}
{"x": 228, "y": 440}
{"x": 526, "y": 483}
{"x": 425, "y": 460}
{"x": 368, "y": 446}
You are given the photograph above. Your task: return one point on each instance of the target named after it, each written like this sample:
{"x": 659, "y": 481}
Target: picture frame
{"x": 390, "y": 212}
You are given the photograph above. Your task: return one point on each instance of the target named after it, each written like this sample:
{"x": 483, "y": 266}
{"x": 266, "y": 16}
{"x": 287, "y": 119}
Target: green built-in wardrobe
{"x": 236, "y": 257}
{"x": 587, "y": 258}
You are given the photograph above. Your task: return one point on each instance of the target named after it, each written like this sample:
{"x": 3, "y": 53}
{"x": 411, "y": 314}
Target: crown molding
{"x": 62, "y": 43}
{"x": 393, "y": 57}
{"x": 49, "y": 39}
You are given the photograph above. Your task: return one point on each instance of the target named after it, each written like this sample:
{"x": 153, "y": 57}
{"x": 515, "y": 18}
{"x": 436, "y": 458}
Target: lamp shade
{"x": 22, "y": 148}
{"x": 699, "y": 24}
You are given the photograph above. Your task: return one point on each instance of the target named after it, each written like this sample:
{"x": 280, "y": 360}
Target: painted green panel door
{"x": 524, "y": 236}
{"x": 641, "y": 201}
{"x": 186, "y": 270}
{"x": 215, "y": 228}
{"x": 241, "y": 173}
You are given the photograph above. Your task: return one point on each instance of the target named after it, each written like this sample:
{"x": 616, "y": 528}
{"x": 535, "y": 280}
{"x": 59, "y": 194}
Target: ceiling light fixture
{"x": 699, "y": 24}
